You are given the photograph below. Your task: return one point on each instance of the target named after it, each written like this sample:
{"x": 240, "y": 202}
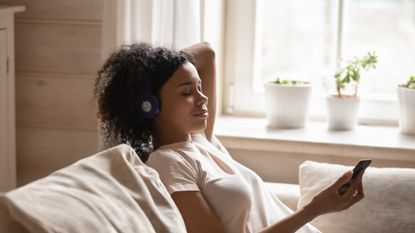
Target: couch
{"x": 388, "y": 206}
{"x": 113, "y": 191}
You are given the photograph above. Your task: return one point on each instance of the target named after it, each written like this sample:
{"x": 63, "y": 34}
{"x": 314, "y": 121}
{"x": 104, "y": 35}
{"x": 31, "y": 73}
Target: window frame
{"x": 243, "y": 41}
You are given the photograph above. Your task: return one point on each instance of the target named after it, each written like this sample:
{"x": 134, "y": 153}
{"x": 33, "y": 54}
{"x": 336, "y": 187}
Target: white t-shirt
{"x": 237, "y": 195}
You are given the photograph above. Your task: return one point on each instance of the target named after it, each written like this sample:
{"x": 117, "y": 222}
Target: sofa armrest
{"x": 289, "y": 194}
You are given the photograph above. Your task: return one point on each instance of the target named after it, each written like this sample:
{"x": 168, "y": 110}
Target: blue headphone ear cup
{"x": 150, "y": 107}
{"x": 150, "y": 104}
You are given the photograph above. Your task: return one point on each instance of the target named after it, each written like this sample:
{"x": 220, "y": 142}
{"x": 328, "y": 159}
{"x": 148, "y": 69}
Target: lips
{"x": 201, "y": 113}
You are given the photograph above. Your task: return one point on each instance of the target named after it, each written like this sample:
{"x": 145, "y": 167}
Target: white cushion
{"x": 112, "y": 191}
{"x": 388, "y": 206}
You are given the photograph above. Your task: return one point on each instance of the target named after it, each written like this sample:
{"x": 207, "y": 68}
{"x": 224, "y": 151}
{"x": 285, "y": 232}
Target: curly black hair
{"x": 118, "y": 90}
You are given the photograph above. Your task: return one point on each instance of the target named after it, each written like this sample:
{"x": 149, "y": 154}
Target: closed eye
{"x": 187, "y": 91}
{"x": 188, "y": 87}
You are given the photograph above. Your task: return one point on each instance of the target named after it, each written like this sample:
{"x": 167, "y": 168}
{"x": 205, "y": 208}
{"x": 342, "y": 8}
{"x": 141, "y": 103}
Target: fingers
{"x": 355, "y": 192}
{"x": 331, "y": 201}
{"x": 356, "y": 186}
{"x": 343, "y": 179}
{"x": 360, "y": 188}
{"x": 359, "y": 195}
{"x": 355, "y": 199}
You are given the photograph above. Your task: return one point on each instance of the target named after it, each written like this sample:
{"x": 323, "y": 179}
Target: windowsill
{"x": 381, "y": 142}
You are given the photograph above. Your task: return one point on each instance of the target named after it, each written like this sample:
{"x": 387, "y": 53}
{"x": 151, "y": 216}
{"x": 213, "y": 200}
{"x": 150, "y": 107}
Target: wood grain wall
{"x": 58, "y": 52}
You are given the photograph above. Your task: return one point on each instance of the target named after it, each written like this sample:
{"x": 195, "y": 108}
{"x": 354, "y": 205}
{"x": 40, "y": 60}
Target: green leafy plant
{"x": 411, "y": 82}
{"x": 351, "y": 73}
{"x": 288, "y": 81}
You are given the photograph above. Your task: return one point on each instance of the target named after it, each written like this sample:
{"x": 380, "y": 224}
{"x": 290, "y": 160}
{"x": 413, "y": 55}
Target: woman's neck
{"x": 166, "y": 137}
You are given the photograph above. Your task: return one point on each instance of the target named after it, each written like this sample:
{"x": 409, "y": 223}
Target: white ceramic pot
{"x": 342, "y": 112}
{"x": 406, "y": 99}
{"x": 287, "y": 105}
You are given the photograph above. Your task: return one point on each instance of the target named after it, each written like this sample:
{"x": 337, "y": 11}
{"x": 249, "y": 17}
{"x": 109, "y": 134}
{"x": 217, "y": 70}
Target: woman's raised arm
{"x": 204, "y": 56}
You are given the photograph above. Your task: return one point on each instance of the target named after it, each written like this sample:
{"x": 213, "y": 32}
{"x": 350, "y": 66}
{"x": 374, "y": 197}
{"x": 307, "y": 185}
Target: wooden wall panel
{"x": 58, "y": 53}
{"x": 60, "y": 9}
{"x": 42, "y": 151}
{"x": 59, "y": 48}
{"x": 47, "y": 101}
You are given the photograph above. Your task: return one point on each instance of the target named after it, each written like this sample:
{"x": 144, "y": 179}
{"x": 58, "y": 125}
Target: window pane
{"x": 388, "y": 28}
{"x": 298, "y": 37}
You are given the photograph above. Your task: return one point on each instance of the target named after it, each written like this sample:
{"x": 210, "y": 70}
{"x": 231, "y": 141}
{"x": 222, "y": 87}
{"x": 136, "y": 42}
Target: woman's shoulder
{"x": 174, "y": 154}
{"x": 163, "y": 155}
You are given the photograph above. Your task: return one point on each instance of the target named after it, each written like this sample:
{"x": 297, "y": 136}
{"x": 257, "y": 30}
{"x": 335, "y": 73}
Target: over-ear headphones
{"x": 149, "y": 103}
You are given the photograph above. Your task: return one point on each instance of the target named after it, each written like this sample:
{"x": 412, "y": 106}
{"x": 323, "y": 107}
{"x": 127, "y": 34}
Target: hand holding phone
{"x": 360, "y": 167}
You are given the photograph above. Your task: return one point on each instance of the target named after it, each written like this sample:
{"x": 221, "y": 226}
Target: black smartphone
{"x": 360, "y": 167}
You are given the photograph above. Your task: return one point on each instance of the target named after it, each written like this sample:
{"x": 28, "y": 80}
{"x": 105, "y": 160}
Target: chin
{"x": 199, "y": 127}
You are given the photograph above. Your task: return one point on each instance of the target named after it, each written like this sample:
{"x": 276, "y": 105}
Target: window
{"x": 304, "y": 39}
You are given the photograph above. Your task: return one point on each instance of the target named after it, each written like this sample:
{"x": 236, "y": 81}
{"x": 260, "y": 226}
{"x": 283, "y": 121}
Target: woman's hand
{"x": 329, "y": 200}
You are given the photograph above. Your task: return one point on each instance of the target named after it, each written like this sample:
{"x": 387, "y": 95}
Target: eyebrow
{"x": 189, "y": 83}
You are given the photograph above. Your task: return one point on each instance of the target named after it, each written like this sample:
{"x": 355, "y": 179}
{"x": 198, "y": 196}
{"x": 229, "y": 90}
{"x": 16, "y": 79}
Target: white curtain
{"x": 170, "y": 23}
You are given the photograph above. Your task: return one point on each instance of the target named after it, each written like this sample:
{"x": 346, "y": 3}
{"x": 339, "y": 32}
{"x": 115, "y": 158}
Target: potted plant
{"x": 406, "y": 99}
{"x": 343, "y": 106}
{"x": 287, "y": 102}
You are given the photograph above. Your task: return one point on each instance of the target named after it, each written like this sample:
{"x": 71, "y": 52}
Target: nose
{"x": 202, "y": 99}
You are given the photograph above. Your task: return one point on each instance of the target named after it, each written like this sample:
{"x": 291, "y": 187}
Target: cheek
{"x": 176, "y": 108}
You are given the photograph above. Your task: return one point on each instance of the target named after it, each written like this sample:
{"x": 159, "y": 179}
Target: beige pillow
{"x": 388, "y": 206}
{"x": 111, "y": 191}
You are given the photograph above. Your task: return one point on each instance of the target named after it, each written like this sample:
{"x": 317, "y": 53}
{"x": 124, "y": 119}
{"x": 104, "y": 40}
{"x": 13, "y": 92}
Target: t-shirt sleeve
{"x": 175, "y": 172}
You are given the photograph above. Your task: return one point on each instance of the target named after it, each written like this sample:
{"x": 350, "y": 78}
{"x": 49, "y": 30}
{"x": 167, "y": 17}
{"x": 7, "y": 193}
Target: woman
{"x": 162, "y": 103}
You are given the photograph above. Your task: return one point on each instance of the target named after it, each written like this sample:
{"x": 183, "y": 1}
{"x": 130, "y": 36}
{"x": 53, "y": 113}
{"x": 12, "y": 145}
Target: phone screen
{"x": 360, "y": 166}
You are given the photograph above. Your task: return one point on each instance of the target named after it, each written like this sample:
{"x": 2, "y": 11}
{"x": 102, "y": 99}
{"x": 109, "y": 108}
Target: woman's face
{"x": 183, "y": 105}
